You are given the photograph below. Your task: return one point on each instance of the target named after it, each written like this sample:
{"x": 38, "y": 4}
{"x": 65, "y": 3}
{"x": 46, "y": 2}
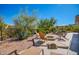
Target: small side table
{"x": 51, "y": 46}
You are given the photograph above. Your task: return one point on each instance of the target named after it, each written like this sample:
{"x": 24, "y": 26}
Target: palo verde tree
{"x": 23, "y": 25}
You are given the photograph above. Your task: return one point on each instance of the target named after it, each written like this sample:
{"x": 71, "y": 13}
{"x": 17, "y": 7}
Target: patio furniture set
{"x": 42, "y": 45}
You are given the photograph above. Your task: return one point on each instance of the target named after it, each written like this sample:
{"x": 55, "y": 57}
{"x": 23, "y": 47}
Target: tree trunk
{"x": 1, "y": 35}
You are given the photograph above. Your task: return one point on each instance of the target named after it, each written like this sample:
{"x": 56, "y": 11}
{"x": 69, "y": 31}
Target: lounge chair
{"x": 40, "y": 38}
{"x": 36, "y": 42}
{"x": 73, "y": 47}
{"x": 7, "y": 50}
{"x": 31, "y": 51}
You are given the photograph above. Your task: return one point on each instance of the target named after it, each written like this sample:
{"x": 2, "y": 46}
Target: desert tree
{"x": 1, "y": 27}
{"x": 24, "y": 25}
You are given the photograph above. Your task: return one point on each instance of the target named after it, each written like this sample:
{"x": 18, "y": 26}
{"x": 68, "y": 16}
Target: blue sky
{"x": 63, "y": 13}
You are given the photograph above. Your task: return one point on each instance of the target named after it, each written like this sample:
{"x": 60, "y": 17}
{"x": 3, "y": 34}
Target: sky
{"x": 63, "y": 13}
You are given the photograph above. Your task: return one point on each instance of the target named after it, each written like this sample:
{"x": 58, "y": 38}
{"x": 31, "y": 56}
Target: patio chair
{"x": 37, "y": 42}
{"x": 40, "y": 39}
{"x": 42, "y": 36}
